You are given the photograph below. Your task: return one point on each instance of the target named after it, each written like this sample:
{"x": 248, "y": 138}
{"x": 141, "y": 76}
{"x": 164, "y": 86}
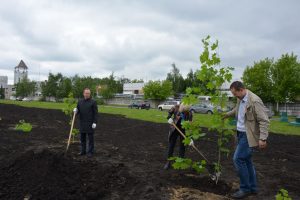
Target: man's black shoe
{"x": 254, "y": 192}
{"x": 81, "y": 154}
{"x": 240, "y": 194}
{"x": 89, "y": 155}
{"x": 167, "y": 165}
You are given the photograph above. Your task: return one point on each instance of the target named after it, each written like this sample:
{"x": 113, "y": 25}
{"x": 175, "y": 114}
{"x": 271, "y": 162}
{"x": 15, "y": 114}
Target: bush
{"x": 99, "y": 101}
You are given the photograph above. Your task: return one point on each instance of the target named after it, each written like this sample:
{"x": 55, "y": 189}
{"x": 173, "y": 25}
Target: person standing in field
{"x": 252, "y": 132}
{"x": 87, "y": 110}
{"x": 180, "y": 113}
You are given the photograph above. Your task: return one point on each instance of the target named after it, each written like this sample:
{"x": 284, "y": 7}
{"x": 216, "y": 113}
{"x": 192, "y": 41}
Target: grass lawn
{"x": 157, "y": 116}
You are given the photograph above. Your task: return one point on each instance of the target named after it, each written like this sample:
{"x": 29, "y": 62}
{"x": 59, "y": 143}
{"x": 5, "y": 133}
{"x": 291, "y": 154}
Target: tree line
{"x": 274, "y": 81}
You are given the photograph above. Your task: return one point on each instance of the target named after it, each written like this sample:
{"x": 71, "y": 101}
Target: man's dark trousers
{"x": 172, "y": 143}
{"x": 90, "y": 143}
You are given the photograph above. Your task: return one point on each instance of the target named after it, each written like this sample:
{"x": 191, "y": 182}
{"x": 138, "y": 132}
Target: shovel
{"x": 70, "y": 134}
{"x": 213, "y": 175}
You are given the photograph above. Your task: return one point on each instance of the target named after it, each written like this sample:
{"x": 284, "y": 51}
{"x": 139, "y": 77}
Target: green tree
{"x": 79, "y": 83}
{"x": 110, "y": 86}
{"x": 192, "y": 81}
{"x": 2, "y": 93}
{"x": 25, "y": 88}
{"x": 285, "y": 75}
{"x": 64, "y": 88}
{"x": 137, "y": 81}
{"x": 258, "y": 79}
{"x": 178, "y": 85}
{"x": 158, "y": 90}
{"x": 50, "y": 87}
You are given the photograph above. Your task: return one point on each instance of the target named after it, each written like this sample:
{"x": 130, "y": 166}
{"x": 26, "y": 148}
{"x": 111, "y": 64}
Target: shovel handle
{"x": 71, "y": 130}
{"x": 181, "y": 133}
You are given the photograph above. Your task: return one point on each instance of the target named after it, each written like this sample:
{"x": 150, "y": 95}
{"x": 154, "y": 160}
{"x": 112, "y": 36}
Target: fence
{"x": 290, "y": 108}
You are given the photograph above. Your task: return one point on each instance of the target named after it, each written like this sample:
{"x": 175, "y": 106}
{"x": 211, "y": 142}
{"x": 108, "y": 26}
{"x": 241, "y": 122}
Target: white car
{"x": 168, "y": 105}
{"x": 26, "y": 99}
{"x": 13, "y": 98}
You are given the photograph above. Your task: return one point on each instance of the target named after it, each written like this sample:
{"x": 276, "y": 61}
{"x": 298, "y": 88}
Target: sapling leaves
{"x": 213, "y": 77}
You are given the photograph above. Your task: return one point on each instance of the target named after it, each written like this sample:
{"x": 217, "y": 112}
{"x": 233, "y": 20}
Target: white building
{"x": 3, "y": 81}
{"x": 133, "y": 88}
{"x": 21, "y": 72}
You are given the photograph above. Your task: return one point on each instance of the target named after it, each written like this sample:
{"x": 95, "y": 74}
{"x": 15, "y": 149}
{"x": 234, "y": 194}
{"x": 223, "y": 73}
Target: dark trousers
{"x": 83, "y": 142}
{"x": 243, "y": 163}
{"x": 172, "y": 143}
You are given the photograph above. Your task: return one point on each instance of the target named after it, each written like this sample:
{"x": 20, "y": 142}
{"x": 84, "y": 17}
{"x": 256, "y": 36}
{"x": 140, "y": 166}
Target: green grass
{"x": 157, "y": 116}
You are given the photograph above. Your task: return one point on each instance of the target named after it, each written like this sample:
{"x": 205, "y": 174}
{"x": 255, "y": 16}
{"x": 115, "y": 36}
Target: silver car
{"x": 203, "y": 108}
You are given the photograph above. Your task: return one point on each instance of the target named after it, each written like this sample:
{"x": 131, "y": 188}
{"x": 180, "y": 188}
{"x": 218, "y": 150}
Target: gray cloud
{"x": 139, "y": 38}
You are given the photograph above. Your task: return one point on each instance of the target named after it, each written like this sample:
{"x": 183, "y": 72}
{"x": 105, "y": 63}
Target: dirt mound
{"x": 50, "y": 175}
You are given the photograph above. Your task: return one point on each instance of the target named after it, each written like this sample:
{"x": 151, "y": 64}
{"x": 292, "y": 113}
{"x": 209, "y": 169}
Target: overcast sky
{"x": 142, "y": 38}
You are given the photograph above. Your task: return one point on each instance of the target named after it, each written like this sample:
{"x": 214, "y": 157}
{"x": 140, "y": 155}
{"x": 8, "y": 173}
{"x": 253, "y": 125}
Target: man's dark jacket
{"x": 87, "y": 111}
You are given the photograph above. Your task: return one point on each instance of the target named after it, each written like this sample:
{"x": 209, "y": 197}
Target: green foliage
{"x": 274, "y": 81}
{"x": 258, "y": 79}
{"x": 285, "y": 74}
{"x": 213, "y": 76}
{"x": 79, "y": 83}
{"x": 70, "y": 104}
{"x": 25, "y": 88}
{"x": 283, "y": 195}
{"x": 158, "y": 90}
{"x": 23, "y": 126}
{"x": 178, "y": 84}
{"x": 2, "y": 92}
{"x": 187, "y": 163}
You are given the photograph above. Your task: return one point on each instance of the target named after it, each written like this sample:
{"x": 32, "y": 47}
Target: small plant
{"x": 283, "y": 194}
{"x": 70, "y": 103}
{"x": 23, "y": 126}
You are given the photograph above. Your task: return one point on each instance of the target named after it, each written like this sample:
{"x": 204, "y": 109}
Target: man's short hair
{"x": 237, "y": 85}
{"x": 86, "y": 89}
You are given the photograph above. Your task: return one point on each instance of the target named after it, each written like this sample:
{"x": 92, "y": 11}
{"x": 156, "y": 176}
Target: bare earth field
{"x": 128, "y": 162}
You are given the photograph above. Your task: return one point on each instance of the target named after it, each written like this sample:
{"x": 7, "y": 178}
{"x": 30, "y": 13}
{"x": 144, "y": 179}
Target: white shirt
{"x": 241, "y": 115}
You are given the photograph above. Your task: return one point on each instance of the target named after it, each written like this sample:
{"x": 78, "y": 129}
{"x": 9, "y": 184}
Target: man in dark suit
{"x": 87, "y": 110}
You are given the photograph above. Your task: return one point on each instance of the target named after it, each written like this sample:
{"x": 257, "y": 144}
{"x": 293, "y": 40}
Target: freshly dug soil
{"x": 51, "y": 175}
{"x": 128, "y": 162}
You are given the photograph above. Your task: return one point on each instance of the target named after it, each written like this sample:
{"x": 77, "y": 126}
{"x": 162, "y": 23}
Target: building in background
{"x": 3, "y": 81}
{"x": 133, "y": 88}
{"x": 21, "y": 72}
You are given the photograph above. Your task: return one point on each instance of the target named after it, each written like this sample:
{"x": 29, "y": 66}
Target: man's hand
{"x": 224, "y": 116}
{"x": 75, "y": 110}
{"x": 262, "y": 144}
{"x": 94, "y": 125}
{"x": 191, "y": 142}
{"x": 170, "y": 121}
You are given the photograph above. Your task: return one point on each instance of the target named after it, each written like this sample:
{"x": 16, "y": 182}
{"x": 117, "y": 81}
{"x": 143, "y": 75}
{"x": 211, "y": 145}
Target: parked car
{"x": 26, "y": 99}
{"x": 204, "y": 109}
{"x": 13, "y": 98}
{"x": 19, "y": 98}
{"x": 140, "y": 105}
{"x": 168, "y": 105}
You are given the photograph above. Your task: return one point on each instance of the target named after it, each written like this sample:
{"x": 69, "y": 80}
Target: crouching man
{"x": 252, "y": 131}
{"x": 87, "y": 110}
